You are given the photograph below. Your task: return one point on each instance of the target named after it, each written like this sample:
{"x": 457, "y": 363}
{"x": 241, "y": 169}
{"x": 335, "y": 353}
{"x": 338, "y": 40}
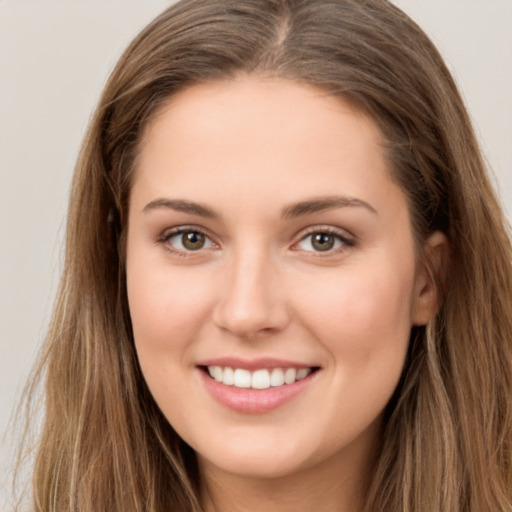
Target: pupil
{"x": 193, "y": 240}
{"x": 323, "y": 241}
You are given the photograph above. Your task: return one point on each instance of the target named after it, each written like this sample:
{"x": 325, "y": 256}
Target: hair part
{"x": 105, "y": 445}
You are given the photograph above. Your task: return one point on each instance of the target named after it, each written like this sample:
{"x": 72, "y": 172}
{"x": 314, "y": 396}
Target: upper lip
{"x": 254, "y": 364}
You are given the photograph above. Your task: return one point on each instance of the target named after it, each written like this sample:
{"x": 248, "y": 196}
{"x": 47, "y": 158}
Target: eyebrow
{"x": 324, "y": 203}
{"x": 295, "y": 210}
{"x": 181, "y": 205}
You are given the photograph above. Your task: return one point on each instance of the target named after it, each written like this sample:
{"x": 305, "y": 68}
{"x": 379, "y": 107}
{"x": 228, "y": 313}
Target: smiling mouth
{"x": 258, "y": 379}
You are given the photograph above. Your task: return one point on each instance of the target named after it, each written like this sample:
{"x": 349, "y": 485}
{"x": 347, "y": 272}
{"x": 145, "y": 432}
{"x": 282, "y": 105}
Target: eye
{"x": 187, "y": 240}
{"x": 323, "y": 241}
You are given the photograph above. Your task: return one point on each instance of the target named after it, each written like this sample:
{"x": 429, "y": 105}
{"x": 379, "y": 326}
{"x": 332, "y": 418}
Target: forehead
{"x": 263, "y": 101}
{"x": 254, "y": 137}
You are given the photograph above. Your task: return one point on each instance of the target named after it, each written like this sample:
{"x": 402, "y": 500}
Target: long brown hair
{"x": 446, "y": 441}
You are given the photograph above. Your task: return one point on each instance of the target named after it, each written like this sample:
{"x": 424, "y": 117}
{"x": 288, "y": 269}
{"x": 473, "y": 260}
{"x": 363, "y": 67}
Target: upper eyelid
{"x": 184, "y": 228}
{"x": 332, "y": 230}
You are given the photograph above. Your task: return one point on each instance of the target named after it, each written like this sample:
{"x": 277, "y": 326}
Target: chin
{"x": 258, "y": 458}
{"x": 256, "y": 465}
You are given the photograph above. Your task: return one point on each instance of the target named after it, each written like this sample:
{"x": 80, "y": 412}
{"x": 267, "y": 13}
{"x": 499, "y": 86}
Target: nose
{"x": 252, "y": 300}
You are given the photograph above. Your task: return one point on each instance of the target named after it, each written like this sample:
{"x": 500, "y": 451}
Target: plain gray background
{"x": 55, "y": 56}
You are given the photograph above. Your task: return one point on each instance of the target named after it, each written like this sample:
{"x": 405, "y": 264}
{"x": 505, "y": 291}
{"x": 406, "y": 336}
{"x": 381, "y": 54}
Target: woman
{"x": 287, "y": 279}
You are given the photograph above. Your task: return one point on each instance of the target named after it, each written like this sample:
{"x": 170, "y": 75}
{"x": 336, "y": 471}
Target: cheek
{"x": 168, "y": 310}
{"x": 361, "y": 313}
{"x": 167, "y": 307}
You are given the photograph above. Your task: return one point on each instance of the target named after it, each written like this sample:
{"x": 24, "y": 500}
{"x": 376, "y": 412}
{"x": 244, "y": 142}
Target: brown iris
{"x": 193, "y": 240}
{"x": 322, "y": 241}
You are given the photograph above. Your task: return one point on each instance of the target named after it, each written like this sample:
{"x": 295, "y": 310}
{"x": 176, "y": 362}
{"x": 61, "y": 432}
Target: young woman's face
{"x": 269, "y": 247}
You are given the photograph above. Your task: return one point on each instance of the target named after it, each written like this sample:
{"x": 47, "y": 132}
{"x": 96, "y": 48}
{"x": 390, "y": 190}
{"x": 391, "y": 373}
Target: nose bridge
{"x": 251, "y": 300}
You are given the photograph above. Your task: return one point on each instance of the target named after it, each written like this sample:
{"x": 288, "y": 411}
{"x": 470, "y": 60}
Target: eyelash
{"x": 345, "y": 241}
{"x": 167, "y": 235}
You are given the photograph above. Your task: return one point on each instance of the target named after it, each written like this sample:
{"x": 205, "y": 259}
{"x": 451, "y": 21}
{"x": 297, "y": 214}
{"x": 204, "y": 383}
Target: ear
{"x": 434, "y": 261}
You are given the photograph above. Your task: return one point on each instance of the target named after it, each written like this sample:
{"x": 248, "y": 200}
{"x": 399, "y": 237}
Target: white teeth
{"x": 229, "y": 376}
{"x": 259, "y": 379}
{"x": 277, "y": 377}
{"x": 218, "y": 373}
{"x": 303, "y": 373}
{"x": 242, "y": 378}
{"x": 289, "y": 375}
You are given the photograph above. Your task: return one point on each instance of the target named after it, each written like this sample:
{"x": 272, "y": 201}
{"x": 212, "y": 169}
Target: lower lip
{"x": 254, "y": 401}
